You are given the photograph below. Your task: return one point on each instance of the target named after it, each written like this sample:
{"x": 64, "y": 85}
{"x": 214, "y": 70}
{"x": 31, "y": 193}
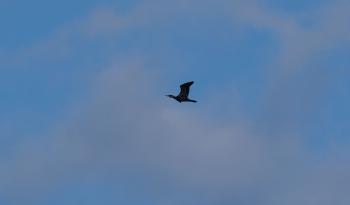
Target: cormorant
{"x": 183, "y": 95}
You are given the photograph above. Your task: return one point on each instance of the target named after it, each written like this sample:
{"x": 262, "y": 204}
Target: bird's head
{"x": 171, "y": 96}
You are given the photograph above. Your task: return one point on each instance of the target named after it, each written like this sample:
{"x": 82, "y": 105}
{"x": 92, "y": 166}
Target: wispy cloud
{"x": 125, "y": 127}
{"x": 119, "y": 132}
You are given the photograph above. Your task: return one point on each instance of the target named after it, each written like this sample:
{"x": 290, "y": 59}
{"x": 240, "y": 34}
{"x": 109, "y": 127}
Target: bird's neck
{"x": 175, "y": 97}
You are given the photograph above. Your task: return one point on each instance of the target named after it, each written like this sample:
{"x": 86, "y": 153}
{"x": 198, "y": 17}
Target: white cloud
{"x": 126, "y": 125}
{"x": 123, "y": 126}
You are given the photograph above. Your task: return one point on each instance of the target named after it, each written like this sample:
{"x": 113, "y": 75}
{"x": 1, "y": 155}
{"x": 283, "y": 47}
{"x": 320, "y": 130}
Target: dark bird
{"x": 183, "y": 95}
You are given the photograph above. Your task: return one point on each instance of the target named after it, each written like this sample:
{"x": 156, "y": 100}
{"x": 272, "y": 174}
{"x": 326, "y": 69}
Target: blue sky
{"x": 84, "y": 119}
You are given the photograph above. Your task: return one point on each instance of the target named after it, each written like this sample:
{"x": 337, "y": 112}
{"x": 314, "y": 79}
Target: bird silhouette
{"x": 183, "y": 95}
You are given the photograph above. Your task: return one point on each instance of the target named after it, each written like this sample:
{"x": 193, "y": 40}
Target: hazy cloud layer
{"x": 126, "y": 129}
{"x": 120, "y": 133}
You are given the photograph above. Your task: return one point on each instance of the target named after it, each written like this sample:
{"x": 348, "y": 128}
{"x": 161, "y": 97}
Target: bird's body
{"x": 183, "y": 95}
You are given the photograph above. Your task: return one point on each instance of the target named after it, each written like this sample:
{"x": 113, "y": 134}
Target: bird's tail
{"x": 192, "y": 101}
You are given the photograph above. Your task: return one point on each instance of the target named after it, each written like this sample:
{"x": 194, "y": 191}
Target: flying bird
{"x": 183, "y": 95}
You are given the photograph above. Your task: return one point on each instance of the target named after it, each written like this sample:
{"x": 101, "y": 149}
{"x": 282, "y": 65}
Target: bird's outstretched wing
{"x": 185, "y": 89}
